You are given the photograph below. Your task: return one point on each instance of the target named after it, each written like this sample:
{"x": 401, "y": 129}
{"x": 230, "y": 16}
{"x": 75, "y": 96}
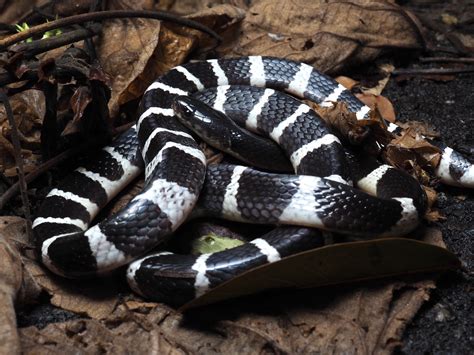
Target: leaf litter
{"x": 367, "y": 316}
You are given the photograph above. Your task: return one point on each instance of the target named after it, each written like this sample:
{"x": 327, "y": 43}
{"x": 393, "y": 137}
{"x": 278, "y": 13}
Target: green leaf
{"x": 213, "y": 243}
{"x": 336, "y": 264}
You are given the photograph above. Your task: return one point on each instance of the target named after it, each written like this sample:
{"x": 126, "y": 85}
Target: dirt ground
{"x": 445, "y": 323}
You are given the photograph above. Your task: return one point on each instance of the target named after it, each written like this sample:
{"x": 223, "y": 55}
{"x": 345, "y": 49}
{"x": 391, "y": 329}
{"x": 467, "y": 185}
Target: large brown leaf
{"x": 330, "y": 35}
{"x": 336, "y": 264}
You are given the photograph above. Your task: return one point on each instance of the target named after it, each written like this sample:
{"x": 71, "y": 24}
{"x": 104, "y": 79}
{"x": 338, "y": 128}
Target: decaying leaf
{"x": 344, "y": 121}
{"x": 410, "y": 149}
{"x": 432, "y": 214}
{"x": 329, "y": 35}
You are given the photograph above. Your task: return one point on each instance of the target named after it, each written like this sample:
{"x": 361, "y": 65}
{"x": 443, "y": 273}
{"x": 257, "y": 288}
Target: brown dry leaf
{"x": 410, "y": 147}
{"x": 344, "y": 121}
{"x": 329, "y": 35}
{"x": 14, "y": 284}
{"x": 366, "y": 318}
{"x": 188, "y": 7}
{"x": 347, "y": 82}
{"x": 15, "y": 10}
{"x": 135, "y": 52}
{"x": 10, "y": 282}
{"x": 125, "y": 48}
{"x": 418, "y": 127}
{"x": 79, "y": 102}
{"x": 94, "y": 298}
{"x": 432, "y": 215}
{"x": 28, "y": 110}
{"x": 379, "y": 104}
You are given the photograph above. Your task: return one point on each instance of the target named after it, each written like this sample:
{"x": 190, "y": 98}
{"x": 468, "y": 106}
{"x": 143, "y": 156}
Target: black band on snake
{"x": 175, "y": 171}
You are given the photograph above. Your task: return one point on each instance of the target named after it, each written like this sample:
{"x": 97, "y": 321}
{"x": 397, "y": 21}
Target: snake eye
{"x": 182, "y": 108}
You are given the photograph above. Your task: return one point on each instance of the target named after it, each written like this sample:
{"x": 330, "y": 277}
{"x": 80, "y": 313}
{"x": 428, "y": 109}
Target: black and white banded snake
{"x": 175, "y": 172}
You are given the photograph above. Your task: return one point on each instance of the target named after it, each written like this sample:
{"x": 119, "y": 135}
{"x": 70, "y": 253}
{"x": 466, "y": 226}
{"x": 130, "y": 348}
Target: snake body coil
{"x": 175, "y": 172}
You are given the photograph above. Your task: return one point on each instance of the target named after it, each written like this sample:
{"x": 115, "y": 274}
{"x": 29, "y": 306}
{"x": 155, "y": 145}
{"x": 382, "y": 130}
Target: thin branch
{"x": 100, "y": 16}
{"x": 446, "y": 60}
{"x": 18, "y": 160}
{"x": 37, "y": 47}
{"x": 433, "y": 71}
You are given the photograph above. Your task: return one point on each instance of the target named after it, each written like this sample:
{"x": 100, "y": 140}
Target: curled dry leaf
{"x": 410, "y": 149}
{"x": 329, "y": 35}
{"x": 79, "y": 101}
{"x": 344, "y": 121}
{"x": 432, "y": 214}
{"x": 379, "y": 104}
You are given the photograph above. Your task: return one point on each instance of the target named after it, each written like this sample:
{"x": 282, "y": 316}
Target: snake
{"x": 178, "y": 184}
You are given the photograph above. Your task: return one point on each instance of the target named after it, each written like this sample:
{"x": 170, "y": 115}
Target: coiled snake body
{"x": 175, "y": 171}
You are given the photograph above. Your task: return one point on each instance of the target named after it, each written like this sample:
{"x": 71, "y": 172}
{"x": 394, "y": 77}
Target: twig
{"x": 103, "y": 15}
{"x": 446, "y": 60}
{"x": 18, "y": 160}
{"x": 433, "y": 71}
{"x": 13, "y": 189}
{"x": 37, "y": 47}
{"x": 457, "y": 43}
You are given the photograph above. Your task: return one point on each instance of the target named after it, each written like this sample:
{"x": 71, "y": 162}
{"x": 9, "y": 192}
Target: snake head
{"x": 210, "y": 125}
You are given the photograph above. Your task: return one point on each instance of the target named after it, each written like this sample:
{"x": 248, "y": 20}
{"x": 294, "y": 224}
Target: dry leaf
{"x": 28, "y": 110}
{"x": 188, "y": 7}
{"x": 344, "y": 121}
{"x": 411, "y": 147}
{"x": 329, "y": 35}
{"x": 380, "y": 104}
{"x": 94, "y": 298}
{"x": 321, "y": 266}
{"x": 347, "y": 82}
{"x": 14, "y": 284}
{"x": 134, "y": 52}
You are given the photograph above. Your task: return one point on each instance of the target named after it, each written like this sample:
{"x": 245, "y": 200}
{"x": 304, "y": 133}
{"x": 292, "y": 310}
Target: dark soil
{"x": 445, "y": 324}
